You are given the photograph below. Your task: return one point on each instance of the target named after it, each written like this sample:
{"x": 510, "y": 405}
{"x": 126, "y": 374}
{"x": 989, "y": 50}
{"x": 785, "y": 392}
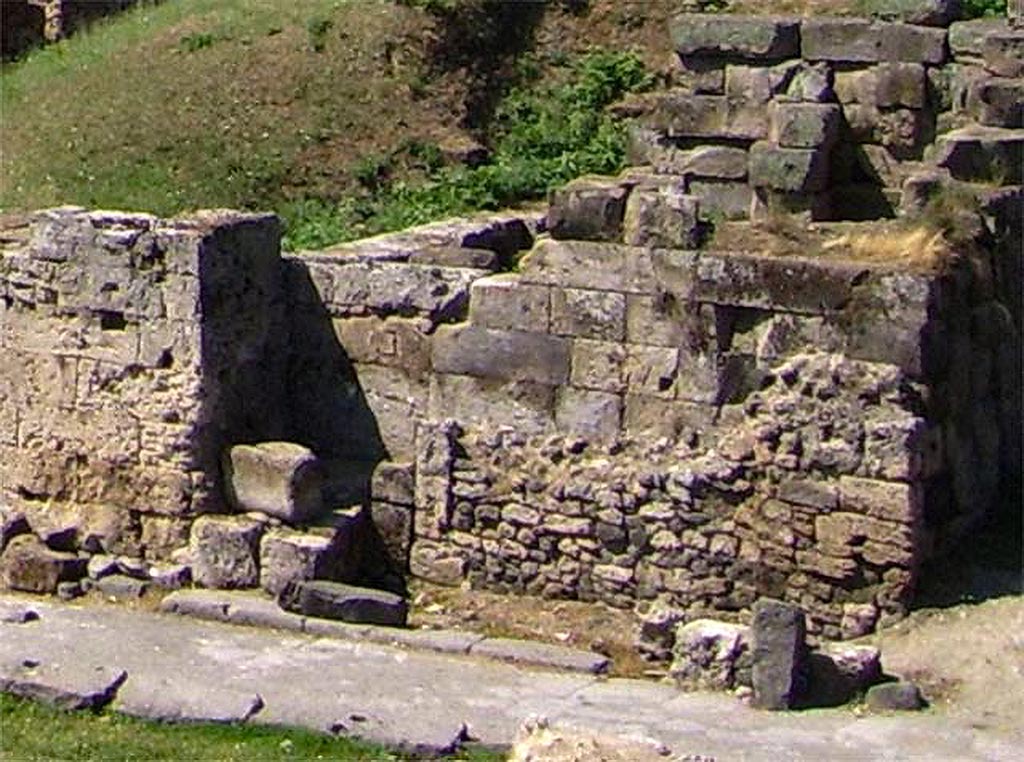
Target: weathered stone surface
{"x": 456, "y": 256}
{"x": 983, "y": 154}
{"x": 68, "y": 689}
{"x": 436, "y": 564}
{"x": 12, "y": 524}
{"x": 279, "y": 479}
{"x": 507, "y": 355}
{"x": 755, "y": 38}
{"x": 663, "y": 216}
{"x": 254, "y": 611}
{"x": 730, "y": 200}
{"x": 897, "y": 696}
{"x": 588, "y": 209}
{"x": 792, "y": 170}
{"x": 541, "y": 655}
{"x": 885, "y": 85}
{"x": 170, "y": 576}
{"x": 27, "y": 564}
{"x": 225, "y": 551}
{"x": 892, "y": 501}
{"x": 805, "y": 125}
{"x": 504, "y": 302}
{"x": 862, "y": 41}
{"x": 588, "y": 314}
{"x": 594, "y": 415}
{"x": 394, "y": 341}
{"x": 394, "y": 524}
{"x": 711, "y": 655}
{"x": 778, "y": 671}
{"x": 683, "y": 115}
{"x": 967, "y": 38}
{"x": 120, "y": 586}
{"x": 347, "y": 603}
{"x": 997, "y": 102}
{"x": 290, "y": 556}
{"x": 1004, "y": 53}
{"x": 923, "y": 12}
{"x": 524, "y": 405}
{"x": 573, "y": 264}
{"x": 715, "y": 162}
{"x": 393, "y": 482}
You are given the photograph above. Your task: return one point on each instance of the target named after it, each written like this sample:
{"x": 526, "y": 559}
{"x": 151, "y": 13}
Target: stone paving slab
{"x": 180, "y": 667}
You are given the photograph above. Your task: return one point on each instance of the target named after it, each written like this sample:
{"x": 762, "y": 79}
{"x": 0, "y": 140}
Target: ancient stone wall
{"x": 134, "y": 350}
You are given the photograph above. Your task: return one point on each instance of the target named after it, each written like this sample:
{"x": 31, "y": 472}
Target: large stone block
{"x": 526, "y": 406}
{"x": 997, "y": 101}
{"x": 1004, "y": 53}
{"x": 805, "y": 125}
{"x": 505, "y": 355}
{"x": 504, "y": 302}
{"x": 983, "y": 154}
{"x": 752, "y": 38}
{"x": 847, "y": 40}
{"x": 711, "y": 655}
{"x": 922, "y": 12}
{"x": 779, "y": 654}
{"x": 579, "y": 264}
{"x": 892, "y": 501}
{"x": 28, "y": 565}
{"x": 396, "y": 342}
{"x": 683, "y": 115}
{"x": 287, "y": 556}
{"x": 347, "y": 603}
{"x": 394, "y": 524}
{"x": 730, "y": 200}
{"x": 588, "y": 209}
{"x": 588, "y": 314}
{"x": 393, "y": 482}
{"x": 791, "y": 170}
{"x": 593, "y": 415}
{"x": 225, "y": 551}
{"x": 714, "y": 162}
{"x": 598, "y": 365}
{"x": 396, "y": 400}
{"x": 281, "y": 479}
{"x": 663, "y": 216}
{"x": 967, "y": 38}
{"x": 898, "y": 85}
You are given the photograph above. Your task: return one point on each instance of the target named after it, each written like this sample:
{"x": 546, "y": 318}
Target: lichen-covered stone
{"x": 755, "y": 38}
{"x": 588, "y": 210}
{"x": 28, "y": 565}
{"x": 288, "y": 556}
{"x": 225, "y": 551}
{"x": 792, "y": 170}
{"x": 711, "y": 655}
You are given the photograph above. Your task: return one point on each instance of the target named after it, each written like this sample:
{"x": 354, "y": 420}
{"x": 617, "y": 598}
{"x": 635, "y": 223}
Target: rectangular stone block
{"x": 730, "y": 200}
{"x": 967, "y": 38}
{"x": 997, "y": 102}
{"x": 396, "y": 401}
{"x": 287, "y": 557}
{"x": 504, "y": 355}
{"x": 892, "y": 501}
{"x": 598, "y": 366}
{"x": 752, "y": 38}
{"x": 683, "y": 115}
{"x": 398, "y": 342}
{"x": 526, "y": 406}
{"x": 663, "y": 216}
{"x": 848, "y": 40}
{"x": 1004, "y": 53}
{"x": 779, "y": 669}
{"x": 651, "y": 370}
{"x": 791, "y": 170}
{"x": 588, "y": 314}
{"x": 657, "y": 320}
{"x": 714, "y": 162}
{"x": 645, "y": 417}
{"x": 588, "y": 209}
{"x": 225, "y": 551}
{"x": 393, "y": 482}
{"x": 394, "y": 524}
{"x": 888, "y": 85}
{"x": 805, "y": 125}
{"x": 504, "y": 302}
{"x": 589, "y": 265}
{"x": 593, "y": 415}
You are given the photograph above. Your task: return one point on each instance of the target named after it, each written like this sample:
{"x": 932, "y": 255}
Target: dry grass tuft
{"x": 919, "y": 247}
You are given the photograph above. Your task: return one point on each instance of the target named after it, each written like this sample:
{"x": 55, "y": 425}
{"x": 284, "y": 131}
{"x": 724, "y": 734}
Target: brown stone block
{"x": 593, "y": 415}
{"x": 504, "y": 302}
{"x": 892, "y": 501}
{"x": 590, "y": 265}
{"x": 28, "y": 565}
{"x": 755, "y": 38}
{"x": 588, "y": 209}
{"x": 588, "y": 314}
{"x": 396, "y": 342}
{"x": 526, "y": 406}
{"x": 505, "y": 355}
{"x": 598, "y": 365}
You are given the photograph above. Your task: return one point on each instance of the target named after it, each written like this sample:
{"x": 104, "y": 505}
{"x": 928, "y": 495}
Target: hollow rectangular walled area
{"x": 132, "y": 351}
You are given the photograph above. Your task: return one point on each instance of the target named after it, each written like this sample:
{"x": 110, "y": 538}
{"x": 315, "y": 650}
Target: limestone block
{"x": 983, "y": 154}
{"x": 922, "y": 12}
{"x": 456, "y": 256}
{"x": 901, "y": 130}
{"x": 895, "y": 696}
{"x": 809, "y": 492}
{"x": 812, "y": 83}
{"x": 779, "y": 664}
{"x": 711, "y": 655}
{"x": 396, "y": 400}
{"x": 792, "y": 170}
{"x": 524, "y": 405}
{"x": 662, "y": 216}
{"x": 885, "y": 85}
{"x": 838, "y": 673}
{"x": 902, "y": 448}
{"x": 598, "y": 365}
{"x": 805, "y": 125}
{"x": 1004, "y": 53}
{"x": 754, "y": 38}
{"x": 997, "y": 101}
{"x": 281, "y": 479}
{"x": 651, "y": 370}
{"x": 393, "y": 482}
{"x": 892, "y": 501}
{"x": 28, "y": 565}
{"x": 504, "y": 302}
{"x": 287, "y": 556}
{"x": 593, "y": 415}
{"x": 588, "y": 314}
{"x": 714, "y": 162}
{"x": 701, "y": 75}
{"x": 730, "y": 200}
{"x": 967, "y": 38}
{"x": 162, "y": 535}
{"x": 225, "y": 551}
{"x": 579, "y": 264}
{"x": 849, "y": 40}
{"x": 394, "y": 524}
{"x": 506, "y": 355}
{"x": 683, "y": 115}
{"x": 700, "y": 377}
{"x": 885, "y": 542}
{"x": 436, "y": 564}
{"x": 346, "y": 603}
{"x": 588, "y": 209}
{"x": 397, "y": 342}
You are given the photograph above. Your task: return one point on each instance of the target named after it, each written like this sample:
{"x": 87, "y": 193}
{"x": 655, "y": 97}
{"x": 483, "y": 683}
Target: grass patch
{"x": 30, "y": 731}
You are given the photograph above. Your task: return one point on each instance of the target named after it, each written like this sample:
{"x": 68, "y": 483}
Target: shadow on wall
{"x": 327, "y": 410}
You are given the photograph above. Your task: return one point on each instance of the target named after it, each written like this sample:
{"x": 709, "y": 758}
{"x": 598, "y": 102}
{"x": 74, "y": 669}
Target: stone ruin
{"x": 585, "y": 404}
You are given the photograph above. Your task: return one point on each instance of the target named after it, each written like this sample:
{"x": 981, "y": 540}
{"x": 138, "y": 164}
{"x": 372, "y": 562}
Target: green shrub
{"x": 541, "y": 138}
{"x": 972, "y": 9}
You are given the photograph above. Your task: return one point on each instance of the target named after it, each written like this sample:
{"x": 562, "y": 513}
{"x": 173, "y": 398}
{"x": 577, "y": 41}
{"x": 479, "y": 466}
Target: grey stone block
{"x": 663, "y": 216}
{"x": 225, "y": 551}
{"x": 436, "y": 564}
{"x": 524, "y": 405}
{"x": 588, "y": 314}
{"x": 394, "y": 342}
{"x": 791, "y": 170}
{"x": 393, "y": 482}
{"x": 593, "y": 415}
{"x": 12, "y": 524}
{"x": 885, "y": 85}
{"x": 805, "y": 125}
{"x": 922, "y": 12}
{"x": 997, "y": 102}
{"x": 683, "y": 115}
{"x": 714, "y": 162}
{"x": 1004, "y": 53}
{"x": 456, "y": 256}
{"x": 730, "y": 200}
{"x": 897, "y": 696}
{"x": 711, "y": 655}
{"x": 394, "y": 524}
{"x": 504, "y": 302}
{"x": 442, "y": 641}
{"x": 256, "y": 611}
{"x": 347, "y": 603}
{"x": 28, "y": 565}
{"x": 289, "y": 556}
{"x": 779, "y": 654}
{"x": 202, "y": 604}
{"x": 967, "y": 38}
{"x": 279, "y": 479}
{"x": 848, "y": 40}
{"x": 121, "y": 587}
{"x": 541, "y": 655}
{"x": 606, "y": 267}
{"x": 170, "y": 576}
{"x": 506, "y": 355}
{"x": 753, "y": 38}
{"x": 983, "y": 154}
{"x": 588, "y": 209}
{"x": 598, "y": 365}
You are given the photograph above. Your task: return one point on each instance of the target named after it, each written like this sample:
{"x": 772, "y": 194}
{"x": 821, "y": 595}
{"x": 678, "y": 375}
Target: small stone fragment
{"x": 347, "y": 603}
{"x": 897, "y": 696}
{"x": 28, "y": 565}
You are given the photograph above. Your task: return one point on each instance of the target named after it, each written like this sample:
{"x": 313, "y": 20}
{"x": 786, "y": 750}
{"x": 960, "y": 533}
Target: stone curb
{"x": 252, "y": 610}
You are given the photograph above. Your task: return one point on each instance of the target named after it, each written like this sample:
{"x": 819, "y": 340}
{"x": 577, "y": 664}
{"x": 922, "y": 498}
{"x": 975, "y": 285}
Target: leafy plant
{"x": 190, "y": 43}
{"x": 972, "y": 9}
{"x": 317, "y": 28}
